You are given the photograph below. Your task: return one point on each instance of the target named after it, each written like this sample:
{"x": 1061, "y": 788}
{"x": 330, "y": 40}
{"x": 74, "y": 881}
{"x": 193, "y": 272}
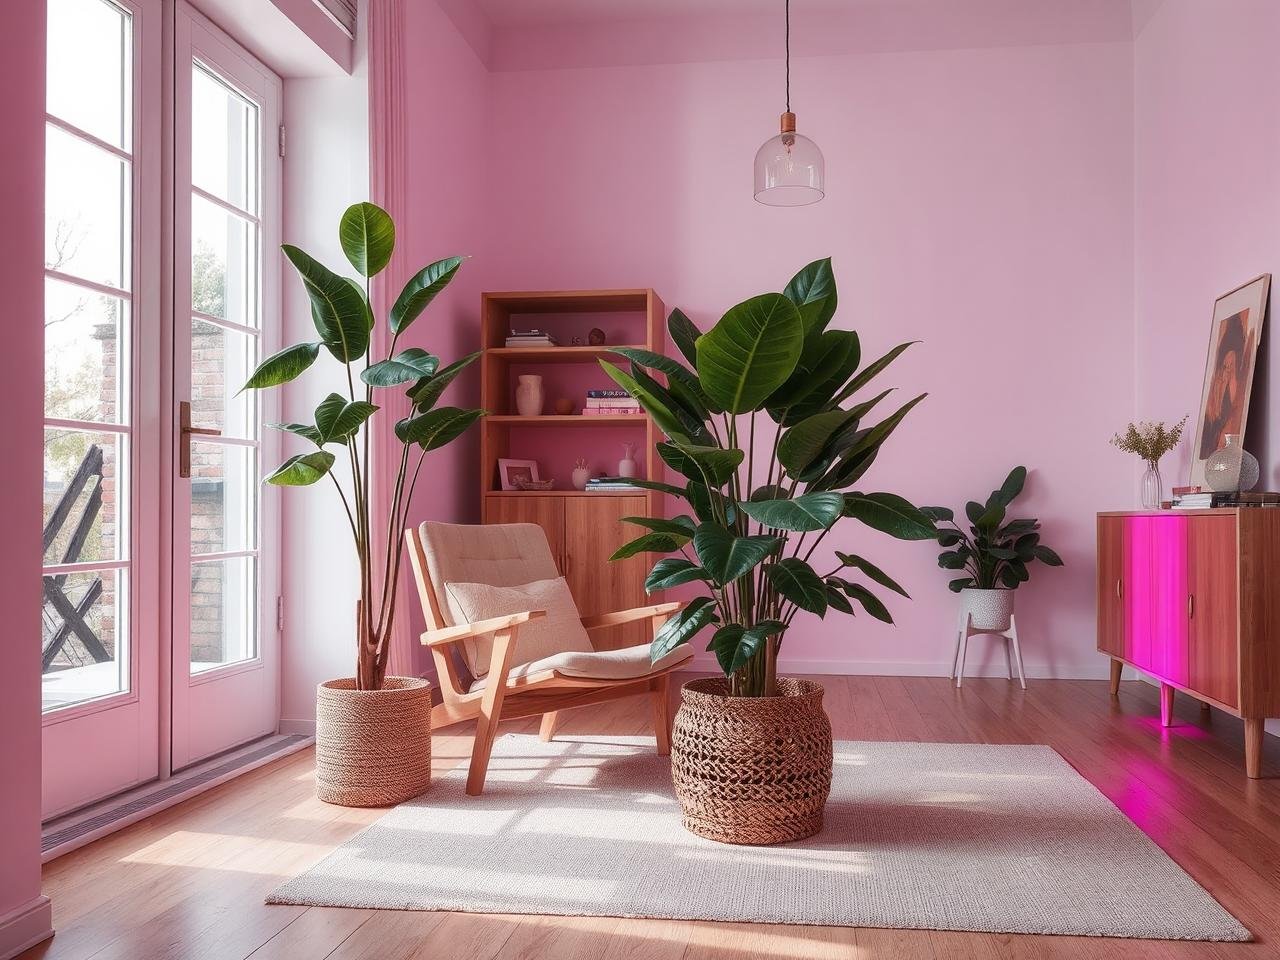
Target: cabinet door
{"x": 593, "y": 530}
{"x": 1212, "y": 608}
{"x": 1139, "y": 589}
{"x": 546, "y": 512}
{"x": 1111, "y": 586}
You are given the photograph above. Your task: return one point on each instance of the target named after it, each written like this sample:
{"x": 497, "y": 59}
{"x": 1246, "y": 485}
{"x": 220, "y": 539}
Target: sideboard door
{"x": 1111, "y": 618}
{"x": 1170, "y": 641}
{"x": 1212, "y": 607}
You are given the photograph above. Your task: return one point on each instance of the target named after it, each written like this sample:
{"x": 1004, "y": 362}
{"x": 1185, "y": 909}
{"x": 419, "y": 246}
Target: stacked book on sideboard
{"x": 531, "y": 338}
{"x": 612, "y": 485}
{"x": 601, "y": 403}
{"x": 1197, "y": 498}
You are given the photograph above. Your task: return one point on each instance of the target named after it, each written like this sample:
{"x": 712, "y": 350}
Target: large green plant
{"x": 996, "y": 551}
{"x": 344, "y": 325}
{"x": 759, "y": 506}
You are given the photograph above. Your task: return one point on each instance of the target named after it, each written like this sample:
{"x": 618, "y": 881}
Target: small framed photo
{"x": 511, "y": 472}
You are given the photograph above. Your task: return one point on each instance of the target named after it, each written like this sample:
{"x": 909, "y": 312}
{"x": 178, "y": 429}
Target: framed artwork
{"x": 1228, "y": 373}
{"x": 511, "y": 471}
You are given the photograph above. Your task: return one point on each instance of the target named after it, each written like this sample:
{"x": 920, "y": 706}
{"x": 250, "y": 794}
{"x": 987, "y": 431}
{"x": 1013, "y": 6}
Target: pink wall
{"x": 978, "y": 200}
{"x": 1207, "y": 202}
{"x": 24, "y": 914}
{"x": 446, "y": 107}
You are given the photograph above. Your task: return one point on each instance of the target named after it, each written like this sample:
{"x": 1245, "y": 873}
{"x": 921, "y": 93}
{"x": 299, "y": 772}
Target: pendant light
{"x": 789, "y": 167}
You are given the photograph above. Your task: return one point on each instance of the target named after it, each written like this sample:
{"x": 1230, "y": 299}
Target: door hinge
{"x": 280, "y": 614}
{"x": 282, "y": 139}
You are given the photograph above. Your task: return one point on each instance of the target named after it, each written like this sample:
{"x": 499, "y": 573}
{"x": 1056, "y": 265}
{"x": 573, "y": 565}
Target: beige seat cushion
{"x": 560, "y": 631}
{"x": 629, "y": 663}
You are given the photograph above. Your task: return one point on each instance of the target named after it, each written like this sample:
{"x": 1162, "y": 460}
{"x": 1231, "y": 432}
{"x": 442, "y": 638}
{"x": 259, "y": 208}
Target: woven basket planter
{"x": 373, "y": 747}
{"x": 751, "y": 770}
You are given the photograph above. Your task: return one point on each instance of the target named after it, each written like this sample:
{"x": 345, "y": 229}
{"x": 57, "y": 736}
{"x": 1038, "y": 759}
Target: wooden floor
{"x": 189, "y": 883}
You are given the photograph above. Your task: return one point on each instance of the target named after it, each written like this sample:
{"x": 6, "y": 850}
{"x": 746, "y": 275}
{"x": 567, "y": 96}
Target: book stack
{"x": 611, "y": 485}
{"x": 1197, "y": 498}
{"x": 605, "y": 402}
{"x": 531, "y": 338}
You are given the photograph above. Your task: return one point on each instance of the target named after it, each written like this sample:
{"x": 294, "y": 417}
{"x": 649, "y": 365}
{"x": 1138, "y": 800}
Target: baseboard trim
{"x": 1093, "y": 670}
{"x": 298, "y": 728}
{"x": 75, "y": 830}
{"x": 24, "y": 927}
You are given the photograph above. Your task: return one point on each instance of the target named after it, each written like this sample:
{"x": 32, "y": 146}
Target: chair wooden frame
{"x": 545, "y": 692}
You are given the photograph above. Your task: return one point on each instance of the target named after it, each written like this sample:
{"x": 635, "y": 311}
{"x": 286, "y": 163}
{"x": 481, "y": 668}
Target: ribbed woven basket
{"x": 373, "y": 747}
{"x": 751, "y": 770}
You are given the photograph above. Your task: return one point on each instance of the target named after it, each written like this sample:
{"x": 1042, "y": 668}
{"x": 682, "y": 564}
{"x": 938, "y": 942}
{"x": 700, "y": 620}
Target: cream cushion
{"x": 560, "y": 631}
{"x": 629, "y": 663}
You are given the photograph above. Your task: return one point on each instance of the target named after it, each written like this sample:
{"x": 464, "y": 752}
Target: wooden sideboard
{"x": 1192, "y": 598}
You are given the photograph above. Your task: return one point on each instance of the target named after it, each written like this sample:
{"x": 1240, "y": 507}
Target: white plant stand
{"x": 1012, "y": 651}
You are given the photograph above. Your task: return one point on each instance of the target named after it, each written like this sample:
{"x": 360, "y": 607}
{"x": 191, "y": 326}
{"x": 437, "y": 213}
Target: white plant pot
{"x": 991, "y": 609}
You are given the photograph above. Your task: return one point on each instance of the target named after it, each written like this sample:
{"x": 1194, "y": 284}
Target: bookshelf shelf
{"x": 572, "y": 420}
{"x": 556, "y": 354}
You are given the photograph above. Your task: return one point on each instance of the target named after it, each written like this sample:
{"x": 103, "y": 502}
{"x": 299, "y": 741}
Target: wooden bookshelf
{"x": 583, "y": 528}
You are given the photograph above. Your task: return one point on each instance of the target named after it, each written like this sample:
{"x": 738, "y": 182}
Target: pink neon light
{"x": 1155, "y": 577}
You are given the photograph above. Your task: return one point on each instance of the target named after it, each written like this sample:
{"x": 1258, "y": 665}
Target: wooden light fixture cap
{"x": 788, "y": 122}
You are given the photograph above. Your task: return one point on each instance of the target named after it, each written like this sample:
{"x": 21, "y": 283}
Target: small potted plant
{"x": 1150, "y": 441}
{"x": 994, "y": 554}
{"x": 373, "y": 732}
{"x": 769, "y": 439}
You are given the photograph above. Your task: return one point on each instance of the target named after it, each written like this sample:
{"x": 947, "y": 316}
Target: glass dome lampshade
{"x": 789, "y": 168}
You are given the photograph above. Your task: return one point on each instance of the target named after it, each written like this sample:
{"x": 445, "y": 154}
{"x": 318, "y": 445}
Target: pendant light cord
{"x": 787, "y": 34}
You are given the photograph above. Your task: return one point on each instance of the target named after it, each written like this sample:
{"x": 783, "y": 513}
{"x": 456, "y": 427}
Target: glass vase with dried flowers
{"x": 1150, "y": 440}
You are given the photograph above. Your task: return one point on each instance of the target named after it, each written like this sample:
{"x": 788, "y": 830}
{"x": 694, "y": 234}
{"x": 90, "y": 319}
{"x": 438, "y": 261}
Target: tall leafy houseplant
{"x": 765, "y": 426}
{"x": 344, "y": 322}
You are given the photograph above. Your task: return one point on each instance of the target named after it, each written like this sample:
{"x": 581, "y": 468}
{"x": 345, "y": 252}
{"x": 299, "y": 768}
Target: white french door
{"x": 225, "y": 664}
{"x": 102, "y": 618}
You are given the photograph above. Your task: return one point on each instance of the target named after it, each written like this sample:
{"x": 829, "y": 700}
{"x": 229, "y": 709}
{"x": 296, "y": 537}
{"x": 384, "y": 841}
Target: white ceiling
{"x": 505, "y": 13}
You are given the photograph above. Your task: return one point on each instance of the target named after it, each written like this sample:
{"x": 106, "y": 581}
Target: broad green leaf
{"x": 305, "y": 430}
{"x": 991, "y": 518}
{"x": 871, "y": 371}
{"x": 704, "y": 464}
{"x": 953, "y": 559}
{"x": 337, "y": 307}
{"x": 368, "y": 235}
{"x": 974, "y": 511}
{"x": 672, "y": 572}
{"x": 948, "y": 538}
{"x": 680, "y": 526}
{"x": 662, "y": 415}
{"x": 664, "y": 542}
{"x": 771, "y": 492}
{"x": 826, "y": 364}
{"x": 684, "y": 334}
{"x": 427, "y": 391}
{"x": 889, "y": 513}
{"x": 812, "y": 511}
{"x": 420, "y": 291}
{"x": 870, "y": 602}
{"x": 1002, "y": 553}
{"x": 875, "y": 436}
{"x": 435, "y": 428}
{"x": 750, "y": 352}
{"x": 691, "y": 419}
{"x": 796, "y": 580}
{"x": 802, "y": 444}
{"x": 847, "y": 471}
{"x": 837, "y": 600}
{"x": 705, "y": 502}
{"x": 813, "y": 291}
{"x": 660, "y": 487}
{"x": 938, "y": 514}
{"x": 734, "y": 645}
{"x": 682, "y": 627}
{"x": 302, "y": 470}
{"x": 726, "y": 557}
{"x": 282, "y": 367}
{"x": 871, "y": 571}
{"x": 411, "y": 364}
{"x": 960, "y": 583}
{"x": 682, "y": 383}
{"x": 1047, "y": 556}
{"x": 337, "y": 418}
{"x": 1012, "y": 486}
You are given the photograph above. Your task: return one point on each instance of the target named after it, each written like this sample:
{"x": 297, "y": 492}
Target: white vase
{"x": 529, "y": 395}
{"x": 580, "y": 477}
{"x": 1231, "y": 467}
{"x": 627, "y": 465}
{"x": 990, "y": 609}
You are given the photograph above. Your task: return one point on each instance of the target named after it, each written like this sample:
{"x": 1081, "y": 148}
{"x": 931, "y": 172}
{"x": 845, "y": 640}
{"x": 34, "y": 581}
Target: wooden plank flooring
{"x": 188, "y": 884}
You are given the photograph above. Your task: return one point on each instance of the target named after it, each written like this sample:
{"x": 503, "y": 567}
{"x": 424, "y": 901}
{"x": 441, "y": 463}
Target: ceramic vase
{"x": 627, "y": 465}
{"x": 580, "y": 477}
{"x": 1231, "y": 467}
{"x": 529, "y": 395}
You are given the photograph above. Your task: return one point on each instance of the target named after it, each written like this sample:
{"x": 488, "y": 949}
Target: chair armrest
{"x": 448, "y": 635}
{"x": 602, "y": 620}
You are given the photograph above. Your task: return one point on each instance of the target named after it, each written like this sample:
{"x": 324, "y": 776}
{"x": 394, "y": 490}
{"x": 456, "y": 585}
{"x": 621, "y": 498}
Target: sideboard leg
{"x": 1166, "y": 705}
{"x": 1253, "y": 747}
{"x": 1117, "y": 667}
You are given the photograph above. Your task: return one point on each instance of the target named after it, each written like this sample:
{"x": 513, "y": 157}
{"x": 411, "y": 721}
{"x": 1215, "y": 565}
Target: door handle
{"x": 1119, "y": 590}
{"x": 185, "y": 431}
{"x": 1191, "y": 605}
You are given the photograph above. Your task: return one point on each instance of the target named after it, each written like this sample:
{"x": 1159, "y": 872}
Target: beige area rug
{"x": 994, "y": 838}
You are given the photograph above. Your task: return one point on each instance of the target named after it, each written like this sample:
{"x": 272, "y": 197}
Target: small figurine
{"x": 595, "y": 337}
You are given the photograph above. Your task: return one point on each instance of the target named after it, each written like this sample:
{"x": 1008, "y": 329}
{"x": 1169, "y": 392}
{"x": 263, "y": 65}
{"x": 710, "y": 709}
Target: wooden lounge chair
{"x": 447, "y": 556}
